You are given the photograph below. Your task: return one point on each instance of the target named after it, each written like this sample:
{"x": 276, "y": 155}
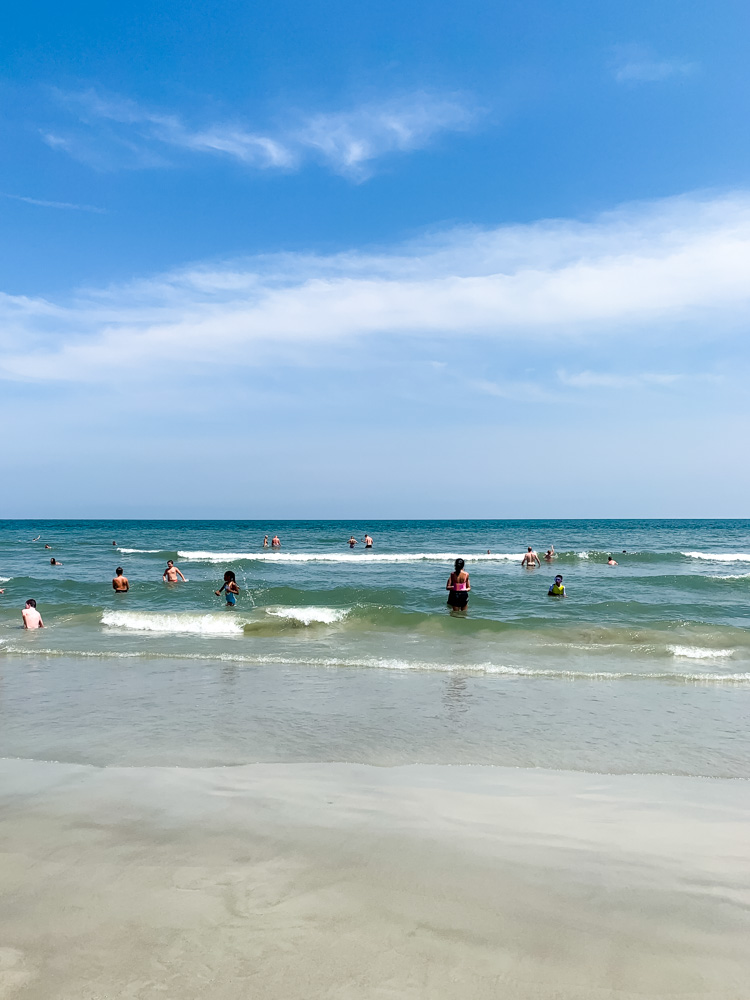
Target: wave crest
{"x": 309, "y": 616}
{"x": 183, "y": 624}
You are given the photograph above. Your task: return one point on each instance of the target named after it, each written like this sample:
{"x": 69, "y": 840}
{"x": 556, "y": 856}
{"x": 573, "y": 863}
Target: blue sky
{"x": 392, "y": 260}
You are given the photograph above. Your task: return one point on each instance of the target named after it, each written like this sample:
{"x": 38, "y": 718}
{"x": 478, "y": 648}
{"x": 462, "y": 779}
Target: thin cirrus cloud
{"x": 674, "y": 269}
{"x": 634, "y": 64}
{"x": 42, "y": 203}
{"x": 114, "y": 132}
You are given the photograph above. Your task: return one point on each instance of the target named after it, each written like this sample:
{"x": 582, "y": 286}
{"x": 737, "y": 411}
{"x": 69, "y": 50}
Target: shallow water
{"x": 331, "y": 655}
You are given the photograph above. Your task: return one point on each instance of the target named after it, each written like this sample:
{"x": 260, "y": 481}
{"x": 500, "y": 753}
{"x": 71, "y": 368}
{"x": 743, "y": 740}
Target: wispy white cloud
{"x": 118, "y": 132}
{"x": 636, "y": 64}
{"x": 53, "y": 204}
{"x": 674, "y": 269}
{"x": 609, "y": 380}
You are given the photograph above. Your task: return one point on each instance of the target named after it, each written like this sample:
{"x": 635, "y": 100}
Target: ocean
{"x": 339, "y": 656}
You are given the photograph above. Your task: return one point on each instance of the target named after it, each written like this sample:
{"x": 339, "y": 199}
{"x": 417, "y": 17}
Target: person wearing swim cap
{"x": 557, "y": 589}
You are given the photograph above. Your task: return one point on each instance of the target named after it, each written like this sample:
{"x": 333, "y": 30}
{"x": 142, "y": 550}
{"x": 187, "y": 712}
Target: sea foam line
{"x": 360, "y": 558}
{"x": 719, "y": 556}
{"x": 151, "y": 551}
{"x": 395, "y": 664}
{"x": 699, "y": 652}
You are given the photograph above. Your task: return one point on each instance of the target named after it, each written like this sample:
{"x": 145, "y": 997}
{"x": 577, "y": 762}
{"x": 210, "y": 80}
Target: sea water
{"x": 339, "y": 655}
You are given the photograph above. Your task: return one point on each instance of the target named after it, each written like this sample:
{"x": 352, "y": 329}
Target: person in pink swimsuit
{"x": 458, "y": 587}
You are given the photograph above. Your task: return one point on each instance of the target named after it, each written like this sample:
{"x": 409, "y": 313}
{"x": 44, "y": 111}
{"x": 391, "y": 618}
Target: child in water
{"x": 557, "y": 589}
{"x": 230, "y": 588}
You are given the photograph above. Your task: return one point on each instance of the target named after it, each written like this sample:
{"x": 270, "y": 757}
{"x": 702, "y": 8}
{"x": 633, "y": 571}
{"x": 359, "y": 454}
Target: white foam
{"x": 360, "y": 558}
{"x": 129, "y": 551}
{"x": 324, "y": 616}
{"x": 383, "y": 663}
{"x": 699, "y": 652}
{"x": 719, "y": 556}
{"x": 185, "y": 624}
{"x": 5, "y": 579}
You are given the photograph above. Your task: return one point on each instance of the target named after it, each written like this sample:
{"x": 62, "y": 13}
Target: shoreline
{"x": 348, "y": 880}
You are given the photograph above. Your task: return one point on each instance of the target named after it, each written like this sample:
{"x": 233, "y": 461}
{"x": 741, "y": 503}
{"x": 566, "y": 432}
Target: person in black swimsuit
{"x": 458, "y": 587}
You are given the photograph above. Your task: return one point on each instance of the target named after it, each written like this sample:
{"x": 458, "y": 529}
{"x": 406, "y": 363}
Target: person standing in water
{"x": 30, "y": 615}
{"x": 265, "y": 541}
{"x": 458, "y": 587}
{"x": 368, "y": 542}
{"x": 531, "y": 560}
{"x": 275, "y": 542}
{"x": 230, "y": 588}
{"x": 120, "y": 583}
{"x": 171, "y": 573}
{"x": 352, "y": 541}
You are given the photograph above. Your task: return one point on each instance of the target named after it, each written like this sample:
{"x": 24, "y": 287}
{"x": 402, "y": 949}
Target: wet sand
{"x": 289, "y": 881}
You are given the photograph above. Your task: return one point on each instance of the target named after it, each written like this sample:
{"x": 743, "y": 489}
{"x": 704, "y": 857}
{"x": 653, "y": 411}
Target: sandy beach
{"x": 295, "y": 881}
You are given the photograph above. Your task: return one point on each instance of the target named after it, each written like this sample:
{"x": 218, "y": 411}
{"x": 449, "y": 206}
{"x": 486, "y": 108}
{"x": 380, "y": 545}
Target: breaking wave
{"x": 182, "y": 624}
{"x": 309, "y": 616}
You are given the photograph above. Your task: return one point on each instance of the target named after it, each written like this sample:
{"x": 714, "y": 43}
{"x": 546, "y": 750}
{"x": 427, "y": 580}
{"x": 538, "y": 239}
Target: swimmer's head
{"x": 170, "y": 562}
{"x": 118, "y": 571}
{"x": 229, "y": 575}
{"x": 31, "y": 603}
{"x": 459, "y": 564}
{"x": 529, "y": 548}
{"x": 558, "y": 578}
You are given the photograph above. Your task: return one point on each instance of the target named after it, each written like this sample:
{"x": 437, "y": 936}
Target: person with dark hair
{"x": 120, "y": 583}
{"x": 30, "y": 615}
{"x": 368, "y": 541}
{"x": 458, "y": 587}
{"x": 352, "y": 541}
{"x": 230, "y": 588}
{"x": 611, "y": 561}
{"x": 557, "y": 589}
{"x": 54, "y": 562}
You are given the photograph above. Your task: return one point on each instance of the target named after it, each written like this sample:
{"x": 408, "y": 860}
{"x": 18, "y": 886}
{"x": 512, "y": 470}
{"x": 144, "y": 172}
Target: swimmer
{"x": 275, "y": 542}
{"x": 549, "y": 555}
{"x": 36, "y": 539}
{"x": 458, "y": 587}
{"x": 557, "y": 589}
{"x": 120, "y": 583}
{"x": 531, "y": 560}
{"x": 352, "y": 541}
{"x": 54, "y": 562}
{"x": 171, "y": 573}
{"x": 30, "y": 615}
{"x": 114, "y": 543}
{"x": 265, "y": 541}
{"x": 47, "y": 546}
{"x": 611, "y": 561}
{"x": 368, "y": 542}
{"x": 230, "y": 588}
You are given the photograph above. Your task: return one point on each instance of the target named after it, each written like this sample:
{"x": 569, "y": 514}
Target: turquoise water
{"x": 354, "y": 656}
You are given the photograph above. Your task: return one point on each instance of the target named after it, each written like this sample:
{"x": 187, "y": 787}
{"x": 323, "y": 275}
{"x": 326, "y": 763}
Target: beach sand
{"x": 286, "y": 881}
